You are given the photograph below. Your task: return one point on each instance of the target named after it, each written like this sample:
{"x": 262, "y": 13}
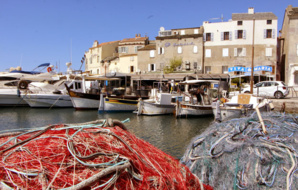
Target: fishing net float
{"x": 96, "y": 155}
{"x": 237, "y": 154}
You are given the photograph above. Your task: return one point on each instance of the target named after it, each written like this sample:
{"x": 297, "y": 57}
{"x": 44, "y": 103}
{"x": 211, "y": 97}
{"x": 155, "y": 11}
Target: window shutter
{"x": 222, "y": 36}
{"x": 179, "y": 49}
{"x": 163, "y": 50}
{"x": 230, "y": 35}
{"x": 212, "y": 36}
{"x": 244, "y": 51}
{"x": 204, "y": 35}
{"x": 119, "y": 50}
{"x": 273, "y": 33}
{"x": 236, "y": 34}
{"x": 149, "y": 67}
{"x": 159, "y": 50}
{"x": 265, "y": 33}
{"x": 235, "y": 52}
{"x": 244, "y": 34}
{"x": 152, "y": 53}
{"x": 154, "y": 67}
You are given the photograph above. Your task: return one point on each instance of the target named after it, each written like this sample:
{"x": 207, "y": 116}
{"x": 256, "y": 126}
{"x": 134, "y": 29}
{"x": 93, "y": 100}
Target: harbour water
{"x": 165, "y": 132}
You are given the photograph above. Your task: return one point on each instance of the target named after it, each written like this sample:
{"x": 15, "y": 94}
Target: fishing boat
{"x": 117, "y": 104}
{"x": 240, "y": 105}
{"x": 198, "y": 100}
{"x": 158, "y": 104}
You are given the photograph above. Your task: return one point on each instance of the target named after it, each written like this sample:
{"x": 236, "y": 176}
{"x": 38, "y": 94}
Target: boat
{"x": 15, "y": 83}
{"x": 51, "y": 95}
{"x": 198, "y": 100}
{"x": 158, "y": 104}
{"x": 240, "y": 105}
{"x": 117, "y": 104}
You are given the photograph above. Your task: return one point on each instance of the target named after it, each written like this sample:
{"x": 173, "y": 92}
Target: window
{"x": 208, "y": 37}
{"x": 136, "y": 48}
{"x": 225, "y": 69}
{"x": 226, "y": 36}
{"x": 208, "y": 69}
{"x": 208, "y": 53}
{"x": 161, "y": 50}
{"x": 239, "y": 52}
{"x": 297, "y": 49}
{"x": 179, "y": 49}
{"x": 182, "y": 32}
{"x": 268, "y": 52}
{"x": 225, "y": 52}
{"x": 269, "y": 33}
{"x": 123, "y": 49}
{"x": 187, "y": 66}
{"x": 195, "y": 49}
{"x": 269, "y": 21}
{"x": 239, "y": 22}
{"x": 151, "y": 67}
{"x": 152, "y": 52}
{"x": 240, "y": 34}
{"x": 296, "y": 78}
{"x": 131, "y": 69}
{"x": 132, "y": 58}
{"x": 195, "y": 65}
{"x": 196, "y": 31}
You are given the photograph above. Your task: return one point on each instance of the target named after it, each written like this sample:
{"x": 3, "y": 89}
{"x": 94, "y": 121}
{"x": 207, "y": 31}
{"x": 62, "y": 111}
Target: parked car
{"x": 276, "y": 89}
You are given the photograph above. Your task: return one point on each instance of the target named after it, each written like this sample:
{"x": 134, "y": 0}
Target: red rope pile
{"x": 79, "y": 157}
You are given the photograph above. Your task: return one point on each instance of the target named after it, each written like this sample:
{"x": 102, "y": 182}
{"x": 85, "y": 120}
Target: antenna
{"x": 218, "y": 18}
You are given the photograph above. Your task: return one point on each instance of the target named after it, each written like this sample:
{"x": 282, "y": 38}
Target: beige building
{"x": 128, "y": 54}
{"x": 229, "y": 44}
{"x": 94, "y": 57}
{"x": 288, "y": 46}
{"x": 184, "y": 43}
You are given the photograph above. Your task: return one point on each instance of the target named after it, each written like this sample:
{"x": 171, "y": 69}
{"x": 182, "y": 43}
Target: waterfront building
{"x": 184, "y": 43}
{"x": 128, "y": 54}
{"x": 288, "y": 47}
{"x": 94, "y": 57}
{"x": 246, "y": 39}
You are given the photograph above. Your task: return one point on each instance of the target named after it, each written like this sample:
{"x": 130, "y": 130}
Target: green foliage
{"x": 174, "y": 63}
{"x": 236, "y": 80}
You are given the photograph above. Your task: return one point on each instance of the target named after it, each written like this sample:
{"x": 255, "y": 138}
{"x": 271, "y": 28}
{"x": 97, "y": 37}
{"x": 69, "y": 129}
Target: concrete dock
{"x": 288, "y": 104}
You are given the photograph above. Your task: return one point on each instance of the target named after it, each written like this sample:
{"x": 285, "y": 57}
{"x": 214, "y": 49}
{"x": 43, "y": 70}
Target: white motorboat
{"x": 160, "y": 104}
{"x": 11, "y": 97}
{"x": 198, "y": 100}
{"x": 240, "y": 105}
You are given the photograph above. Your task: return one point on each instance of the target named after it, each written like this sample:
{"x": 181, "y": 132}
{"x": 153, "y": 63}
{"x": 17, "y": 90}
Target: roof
{"x": 135, "y": 39}
{"x": 198, "y": 81}
{"x": 148, "y": 47}
{"x": 256, "y": 16}
{"x": 178, "y": 36}
{"x": 104, "y": 43}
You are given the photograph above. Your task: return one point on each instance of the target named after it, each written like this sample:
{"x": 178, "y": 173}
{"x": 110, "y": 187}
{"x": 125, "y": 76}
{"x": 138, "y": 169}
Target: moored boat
{"x": 240, "y": 105}
{"x": 198, "y": 100}
{"x": 160, "y": 105}
{"x": 117, "y": 104}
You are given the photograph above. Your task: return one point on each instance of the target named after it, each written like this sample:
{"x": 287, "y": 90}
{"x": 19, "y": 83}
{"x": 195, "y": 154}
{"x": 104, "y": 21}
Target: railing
{"x": 293, "y": 90}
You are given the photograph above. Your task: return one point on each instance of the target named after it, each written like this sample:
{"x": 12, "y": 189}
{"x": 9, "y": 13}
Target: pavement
{"x": 289, "y": 104}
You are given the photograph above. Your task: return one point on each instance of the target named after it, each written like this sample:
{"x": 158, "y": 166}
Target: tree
{"x": 174, "y": 63}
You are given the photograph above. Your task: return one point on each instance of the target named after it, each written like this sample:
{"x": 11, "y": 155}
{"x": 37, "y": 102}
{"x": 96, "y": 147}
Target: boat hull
{"x": 148, "y": 108}
{"x": 188, "y": 110}
{"x": 48, "y": 100}
{"x": 117, "y": 105}
{"x": 11, "y": 97}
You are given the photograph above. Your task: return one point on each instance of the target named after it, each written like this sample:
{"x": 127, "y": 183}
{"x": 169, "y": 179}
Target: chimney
{"x": 251, "y": 10}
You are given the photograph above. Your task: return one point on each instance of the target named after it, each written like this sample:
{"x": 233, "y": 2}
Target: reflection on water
{"x": 165, "y": 132}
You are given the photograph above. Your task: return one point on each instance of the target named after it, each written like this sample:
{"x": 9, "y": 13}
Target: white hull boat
{"x": 11, "y": 97}
{"x": 187, "y": 110}
{"x": 162, "y": 106}
{"x": 48, "y": 100}
{"x": 240, "y": 105}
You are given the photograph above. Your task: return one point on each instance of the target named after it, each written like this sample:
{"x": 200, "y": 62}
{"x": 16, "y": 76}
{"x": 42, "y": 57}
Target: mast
{"x": 252, "y": 60}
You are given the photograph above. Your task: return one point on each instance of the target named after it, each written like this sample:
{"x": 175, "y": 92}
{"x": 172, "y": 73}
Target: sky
{"x": 33, "y": 32}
